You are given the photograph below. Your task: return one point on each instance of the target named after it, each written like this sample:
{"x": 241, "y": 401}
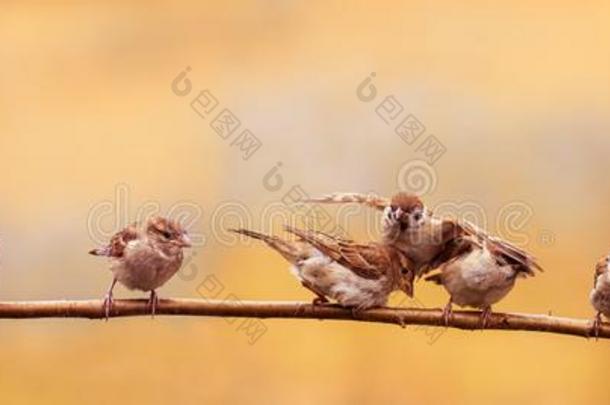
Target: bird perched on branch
{"x": 145, "y": 257}
{"x": 357, "y": 276}
{"x": 600, "y": 296}
{"x": 476, "y": 269}
{"x": 407, "y": 225}
{"x": 479, "y": 270}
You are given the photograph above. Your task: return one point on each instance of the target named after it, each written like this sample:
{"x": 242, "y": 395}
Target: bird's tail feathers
{"x": 104, "y": 251}
{"x": 289, "y": 250}
{"x": 318, "y": 240}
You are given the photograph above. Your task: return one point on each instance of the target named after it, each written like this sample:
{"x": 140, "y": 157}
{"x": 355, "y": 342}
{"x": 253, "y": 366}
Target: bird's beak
{"x": 407, "y": 288}
{"x": 399, "y": 213}
{"x": 185, "y": 241}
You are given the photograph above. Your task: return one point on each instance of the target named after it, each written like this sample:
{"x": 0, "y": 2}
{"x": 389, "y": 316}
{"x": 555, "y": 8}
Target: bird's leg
{"x": 448, "y": 312}
{"x": 320, "y": 298}
{"x": 359, "y": 310}
{"x": 485, "y": 316}
{"x": 597, "y": 324}
{"x": 152, "y": 302}
{"x": 108, "y": 300}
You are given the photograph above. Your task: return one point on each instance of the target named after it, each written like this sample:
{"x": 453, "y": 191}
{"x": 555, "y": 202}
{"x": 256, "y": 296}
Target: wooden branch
{"x": 252, "y": 309}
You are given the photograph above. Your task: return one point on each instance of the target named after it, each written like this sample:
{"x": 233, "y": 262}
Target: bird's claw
{"x": 596, "y": 326}
{"x": 485, "y": 316}
{"x": 107, "y": 306}
{"x": 448, "y": 313}
{"x": 153, "y": 302}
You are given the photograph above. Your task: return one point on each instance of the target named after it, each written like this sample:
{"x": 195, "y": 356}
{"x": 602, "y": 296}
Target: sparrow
{"x": 479, "y": 270}
{"x": 407, "y": 225}
{"x": 600, "y": 295}
{"x": 144, "y": 257}
{"x": 356, "y": 276}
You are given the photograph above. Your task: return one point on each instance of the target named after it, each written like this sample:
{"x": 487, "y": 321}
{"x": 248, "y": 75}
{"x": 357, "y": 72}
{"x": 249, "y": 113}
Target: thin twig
{"x": 253, "y": 309}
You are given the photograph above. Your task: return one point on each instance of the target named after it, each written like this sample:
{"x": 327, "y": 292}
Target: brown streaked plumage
{"x": 372, "y": 261}
{"x": 371, "y": 200}
{"x": 481, "y": 270}
{"x": 600, "y": 295}
{"x": 407, "y": 226}
{"x": 326, "y": 272}
{"x": 601, "y": 268}
{"x": 292, "y": 251}
{"x": 305, "y": 259}
{"x": 144, "y": 257}
{"x": 118, "y": 243}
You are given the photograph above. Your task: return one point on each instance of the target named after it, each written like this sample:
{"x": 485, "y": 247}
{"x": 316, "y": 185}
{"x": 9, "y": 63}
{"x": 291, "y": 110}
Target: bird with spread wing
{"x": 357, "y": 276}
{"x": 476, "y": 269}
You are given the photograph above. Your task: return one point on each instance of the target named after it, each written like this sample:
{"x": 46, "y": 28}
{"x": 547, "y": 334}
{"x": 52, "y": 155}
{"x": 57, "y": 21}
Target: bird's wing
{"x": 119, "y": 241}
{"x": 334, "y": 237}
{"x": 464, "y": 237}
{"x": 370, "y": 200}
{"x": 600, "y": 268}
{"x": 290, "y": 250}
{"x": 521, "y": 260}
{"x": 452, "y": 251}
{"x": 514, "y": 256}
{"x": 370, "y": 261}
{"x": 455, "y": 240}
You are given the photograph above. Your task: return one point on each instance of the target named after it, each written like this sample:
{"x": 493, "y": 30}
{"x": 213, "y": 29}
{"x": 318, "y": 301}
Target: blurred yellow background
{"x": 517, "y": 94}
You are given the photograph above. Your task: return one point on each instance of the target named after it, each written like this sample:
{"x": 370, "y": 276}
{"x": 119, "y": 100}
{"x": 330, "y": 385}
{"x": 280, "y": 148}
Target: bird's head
{"x": 408, "y": 210}
{"x": 602, "y": 269}
{"x": 168, "y": 233}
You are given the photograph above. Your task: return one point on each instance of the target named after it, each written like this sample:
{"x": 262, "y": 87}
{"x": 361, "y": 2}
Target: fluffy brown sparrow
{"x": 144, "y": 257}
{"x": 357, "y": 276}
{"x": 479, "y": 270}
{"x": 407, "y": 225}
{"x": 600, "y": 296}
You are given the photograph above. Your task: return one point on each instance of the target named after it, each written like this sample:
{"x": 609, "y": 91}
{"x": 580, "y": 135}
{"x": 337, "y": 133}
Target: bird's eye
{"x": 418, "y": 216}
{"x": 166, "y": 235}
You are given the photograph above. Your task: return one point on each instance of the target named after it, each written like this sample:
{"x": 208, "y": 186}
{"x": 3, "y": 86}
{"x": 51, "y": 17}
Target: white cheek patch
{"x": 424, "y": 218}
{"x": 417, "y": 218}
{"x": 389, "y": 216}
{"x": 425, "y": 215}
